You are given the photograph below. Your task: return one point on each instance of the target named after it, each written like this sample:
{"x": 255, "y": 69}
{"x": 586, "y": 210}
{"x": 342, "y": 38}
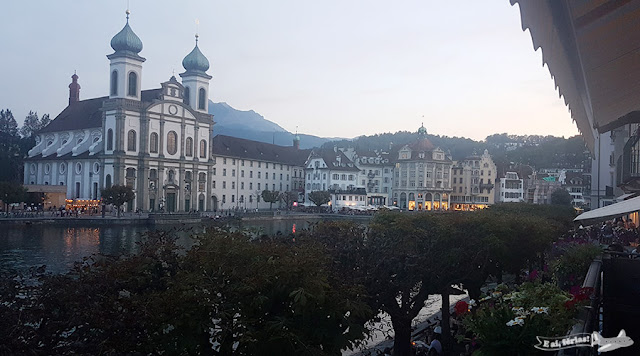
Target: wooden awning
{"x": 592, "y": 49}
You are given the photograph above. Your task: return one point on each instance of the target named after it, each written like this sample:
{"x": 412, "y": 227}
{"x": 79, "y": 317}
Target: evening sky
{"x": 331, "y": 68}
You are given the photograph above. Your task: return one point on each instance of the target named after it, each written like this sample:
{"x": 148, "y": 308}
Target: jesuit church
{"x": 156, "y": 141}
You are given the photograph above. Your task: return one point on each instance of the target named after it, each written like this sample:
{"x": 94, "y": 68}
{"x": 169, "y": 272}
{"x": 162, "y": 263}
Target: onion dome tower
{"x": 196, "y": 80}
{"x": 422, "y": 131}
{"x": 125, "y": 64}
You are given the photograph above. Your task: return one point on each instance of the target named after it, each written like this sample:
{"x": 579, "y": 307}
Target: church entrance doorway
{"x": 214, "y": 203}
{"x": 171, "y": 202}
{"x": 201, "y": 203}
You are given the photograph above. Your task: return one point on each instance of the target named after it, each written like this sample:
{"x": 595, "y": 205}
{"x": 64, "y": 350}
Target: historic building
{"x": 510, "y": 189}
{"x": 422, "y": 176}
{"x": 473, "y": 182}
{"x": 245, "y": 168}
{"x": 156, "y": 141}
{"x": 333, "y": 171}
{"x": 376, "y": 174}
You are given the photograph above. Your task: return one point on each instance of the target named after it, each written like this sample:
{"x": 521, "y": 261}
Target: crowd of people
{"x": 611, "y": 232}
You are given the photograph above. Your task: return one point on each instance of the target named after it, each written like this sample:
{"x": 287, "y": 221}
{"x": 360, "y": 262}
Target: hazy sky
{"x": 332, "y": 68}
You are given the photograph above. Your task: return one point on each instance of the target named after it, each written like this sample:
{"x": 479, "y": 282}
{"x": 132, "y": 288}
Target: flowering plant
{"x": 507, "y": 322}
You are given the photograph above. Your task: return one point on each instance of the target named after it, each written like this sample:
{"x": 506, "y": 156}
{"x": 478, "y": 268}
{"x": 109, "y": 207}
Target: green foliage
{"x": 226, "y": 295}
{"x": 288, "y": 198}
{"x": 570, "y": 268}
{"x": 270, "y": 196}
{"x": 561, "y": 197}
{"x": 33, "y": 124}
{"x": 490, "y": 320}
{"x": 8, "y": 124}
{"x": 13, "y": 149}
{"x": 117, "y": 195}
{"x": 320, "y": 197}
{"x": 11, "y": 192}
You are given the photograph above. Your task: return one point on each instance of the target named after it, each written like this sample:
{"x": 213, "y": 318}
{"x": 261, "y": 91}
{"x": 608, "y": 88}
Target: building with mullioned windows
{"x": 473, "y": 182}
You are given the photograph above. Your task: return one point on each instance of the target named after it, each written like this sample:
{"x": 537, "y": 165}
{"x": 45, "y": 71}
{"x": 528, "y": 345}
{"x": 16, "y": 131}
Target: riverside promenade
{"x": 163, "y": 218}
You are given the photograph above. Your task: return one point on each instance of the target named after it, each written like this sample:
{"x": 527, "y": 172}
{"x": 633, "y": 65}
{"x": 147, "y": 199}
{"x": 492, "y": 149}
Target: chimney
{"x": 74, "y": 89}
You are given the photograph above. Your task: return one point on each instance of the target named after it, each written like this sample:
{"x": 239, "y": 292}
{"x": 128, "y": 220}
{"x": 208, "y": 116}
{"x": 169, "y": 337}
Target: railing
{"x": 589, "y": 316}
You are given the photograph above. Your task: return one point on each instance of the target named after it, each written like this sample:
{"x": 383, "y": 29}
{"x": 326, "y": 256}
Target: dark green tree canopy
{"x": 117, "y": 195}
{"x": 320, "y": 197}
{"x": 287, "y": 198}
{"x": 560, "y": 196}
{"x": 270, "y": 196}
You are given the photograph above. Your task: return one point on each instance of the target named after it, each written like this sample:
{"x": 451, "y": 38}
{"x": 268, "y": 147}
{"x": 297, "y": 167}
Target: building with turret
{"x": 422, "y": 175}
{"x": 156, "y": 141}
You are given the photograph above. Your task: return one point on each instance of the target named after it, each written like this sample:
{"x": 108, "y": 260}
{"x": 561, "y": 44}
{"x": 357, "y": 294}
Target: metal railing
{"x": 589, "y": 316}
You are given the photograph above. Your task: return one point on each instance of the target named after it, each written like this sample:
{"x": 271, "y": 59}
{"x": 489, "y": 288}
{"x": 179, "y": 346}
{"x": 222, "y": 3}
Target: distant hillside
{"x": 252, "y": 126}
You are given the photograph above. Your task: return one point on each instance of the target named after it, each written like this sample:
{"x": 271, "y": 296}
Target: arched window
{"x": 189, "y": 147}
{"x": 172, "y": 142}
{"x": 153, "y": 143}
{"x": 114, "y": 82}
{"x": 107, "y": 181}
{"x": 203, "y": 149}
{"x": 110, "y": 139}
{"x": 131, "y": 140}
{"x": 186, "y": 95}
{"x": 202, "y": 96}
{"x": 133, "y": 84}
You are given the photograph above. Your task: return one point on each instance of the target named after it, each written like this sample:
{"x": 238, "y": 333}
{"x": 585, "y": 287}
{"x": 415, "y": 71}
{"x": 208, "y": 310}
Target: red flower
{"x": 461, "y": 307}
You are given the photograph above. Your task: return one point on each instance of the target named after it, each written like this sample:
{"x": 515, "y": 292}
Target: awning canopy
{"x": 610, "y": 211}
{"x": 592, "y": 50}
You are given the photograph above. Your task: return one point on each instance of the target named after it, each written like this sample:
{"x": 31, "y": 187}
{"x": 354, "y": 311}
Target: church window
{"x": 131, "y": 140}
{"x": 133, "y": 84}
{"x": 189, "y": 147}
{"x": 47, "y": 168}
{"x": 63, "y": 167}
{"x": 186, "y": 95}
{"x": 172, "y": 142}
{"x": 153, "y": 143}
{"x": 96, "y": 167}
{"x": 107, "y": 181}
{"x": 202, "y": 97}
{"x": 110, "y": 139}
{"x": 114, "y": 82}
{"x": 78, "y": 167}
{"x": 203, "y": 149}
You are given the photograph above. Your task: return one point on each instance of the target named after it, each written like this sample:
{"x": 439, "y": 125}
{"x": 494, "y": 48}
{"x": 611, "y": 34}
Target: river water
{"x": 58, "y": 247}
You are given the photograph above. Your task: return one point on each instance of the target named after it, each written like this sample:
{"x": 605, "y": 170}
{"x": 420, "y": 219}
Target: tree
{"x": 320, "y": 197}
{"x": 270, "y": 196}
{"x": 117, "y": 195}
{"x": 560, "y": 196}
{"x": 288, "y": 198}
{"x": 228, "y": 294}
{"x": 11, "y": 192}
{"x": 8, "y": 124}
{"x": 31, "y": 125}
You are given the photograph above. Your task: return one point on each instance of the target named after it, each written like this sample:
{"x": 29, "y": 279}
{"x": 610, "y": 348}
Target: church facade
{"x": 156, "y": 141}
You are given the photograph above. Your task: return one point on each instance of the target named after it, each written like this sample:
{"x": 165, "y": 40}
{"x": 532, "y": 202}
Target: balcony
{"x": 628, "y": 166}
{"x": 615, "y": 304}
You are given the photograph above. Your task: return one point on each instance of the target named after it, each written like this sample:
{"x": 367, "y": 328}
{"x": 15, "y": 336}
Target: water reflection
{"x": 59, "y": 247}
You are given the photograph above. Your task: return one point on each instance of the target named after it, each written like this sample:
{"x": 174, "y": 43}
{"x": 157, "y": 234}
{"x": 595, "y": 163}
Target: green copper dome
{"x": 195, "y": 61}
{"x": 126, "y": 40}
{"x": 422, "y": 130}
